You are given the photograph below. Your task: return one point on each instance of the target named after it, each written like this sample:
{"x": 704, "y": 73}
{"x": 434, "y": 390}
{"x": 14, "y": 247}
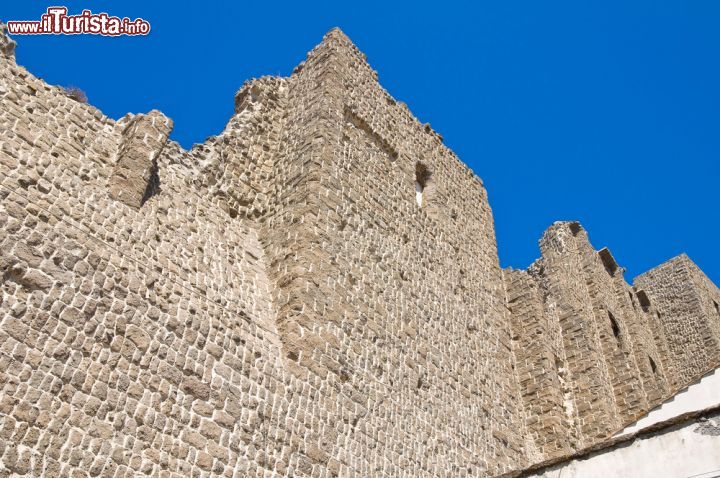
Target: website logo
{"x": 56, "y": 21}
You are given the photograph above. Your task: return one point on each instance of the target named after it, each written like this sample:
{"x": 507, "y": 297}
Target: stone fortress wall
{"x": 313, "y": 292}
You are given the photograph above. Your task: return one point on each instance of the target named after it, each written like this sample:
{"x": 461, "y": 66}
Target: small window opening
{"x": 575, "y": 228}
{"x": 422, "y": 175}
{"x": 717, "y": 307}
{"x": 608, "y": 261}
{"x": 615, "y": 326}
{"x": 653, "y": 367}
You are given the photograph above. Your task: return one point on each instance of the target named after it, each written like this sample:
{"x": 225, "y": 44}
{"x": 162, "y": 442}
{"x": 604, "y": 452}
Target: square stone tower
{"x": 313, "y": 292}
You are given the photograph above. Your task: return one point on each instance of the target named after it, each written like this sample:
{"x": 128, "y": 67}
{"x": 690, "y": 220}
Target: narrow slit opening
{"x": 653, "y": 366}
{"x": 422, "y": 175}
{"x": 614, "y": 325}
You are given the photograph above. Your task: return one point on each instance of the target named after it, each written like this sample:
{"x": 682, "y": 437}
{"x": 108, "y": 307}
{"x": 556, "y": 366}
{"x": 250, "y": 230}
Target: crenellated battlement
{"x": 603, "y": 352}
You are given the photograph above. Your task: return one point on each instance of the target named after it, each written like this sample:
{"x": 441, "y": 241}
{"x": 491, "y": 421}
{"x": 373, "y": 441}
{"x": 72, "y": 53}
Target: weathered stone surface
{"x": 143, "y": 139}
{"x": 314, "y": 292}
{"x": 7, "y": 45}
{"x": 685, "y": 304}
{"x": 591, "y": 356}
{"x": 196, "y": 388}
{"x": 139, "y": 337}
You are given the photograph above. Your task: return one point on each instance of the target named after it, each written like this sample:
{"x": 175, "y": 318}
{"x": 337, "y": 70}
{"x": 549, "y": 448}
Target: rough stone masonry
{"x": 313, "y": 292}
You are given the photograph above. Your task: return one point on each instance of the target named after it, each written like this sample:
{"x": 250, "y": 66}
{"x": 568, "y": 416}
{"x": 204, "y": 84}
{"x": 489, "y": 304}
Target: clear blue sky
{"x": 607, "y": 112}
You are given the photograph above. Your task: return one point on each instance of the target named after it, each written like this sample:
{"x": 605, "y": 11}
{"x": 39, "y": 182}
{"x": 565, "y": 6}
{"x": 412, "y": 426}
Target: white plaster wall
{"x": 699, "y": 396}
{"x": 693, "y": 450}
